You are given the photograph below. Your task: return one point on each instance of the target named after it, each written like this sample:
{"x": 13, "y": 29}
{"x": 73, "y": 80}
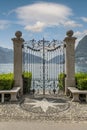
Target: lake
{"x": 51, "y": 70}
{"x": 6, "y": 68}
{"x": 37, "y": 69}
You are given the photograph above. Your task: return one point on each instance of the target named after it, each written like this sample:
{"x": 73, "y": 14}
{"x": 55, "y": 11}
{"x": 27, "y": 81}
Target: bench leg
{"x": 86, "y": 97}
{"x": 13, "y": 97}
{"x": 75, "y": 97}
{"x": 70, "y": 95}
{"x": 2, "y": 99}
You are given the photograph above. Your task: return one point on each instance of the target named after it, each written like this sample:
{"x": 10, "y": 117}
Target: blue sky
{"x": 42, "y": 18}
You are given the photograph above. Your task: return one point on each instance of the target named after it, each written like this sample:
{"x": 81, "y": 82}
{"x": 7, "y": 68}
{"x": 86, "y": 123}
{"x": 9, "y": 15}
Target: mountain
{"x": 36, "y": 59}
{"x": 59, "y": 59}
{"x": 6, "y": 55}
{"x": 81, "y": 51}
{"x": 30, "y": 58}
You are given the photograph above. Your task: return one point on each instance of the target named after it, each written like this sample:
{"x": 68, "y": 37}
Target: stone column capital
{"x": 18, "y": 41}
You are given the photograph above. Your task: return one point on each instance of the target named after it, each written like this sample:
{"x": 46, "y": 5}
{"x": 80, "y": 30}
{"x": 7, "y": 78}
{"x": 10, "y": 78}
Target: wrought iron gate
{"x": 45, "y": 60}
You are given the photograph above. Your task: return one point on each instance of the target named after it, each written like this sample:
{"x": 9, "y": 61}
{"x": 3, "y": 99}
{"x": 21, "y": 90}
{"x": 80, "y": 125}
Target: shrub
{"x": 80, "y": 75}
{"x": 61, "y": 81}
{"x": 27, "y": 77}
{"x": 81, "y": 81}
{"x": 6, "y": 81}
{"x": 82, "y": 84}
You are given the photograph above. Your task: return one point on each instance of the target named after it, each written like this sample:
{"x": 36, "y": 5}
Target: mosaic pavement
{"x": 45, "y": 105}
{"x": 57, "y": 109}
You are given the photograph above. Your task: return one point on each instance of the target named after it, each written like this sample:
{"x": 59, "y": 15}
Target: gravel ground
{"x": 66, "y": 112}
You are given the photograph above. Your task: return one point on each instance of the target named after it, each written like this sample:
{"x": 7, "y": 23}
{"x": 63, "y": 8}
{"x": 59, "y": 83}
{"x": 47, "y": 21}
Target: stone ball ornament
{"x": 18, "y": 38}
{"x": 69, "y": 33}
{"x": 18, "y": 34}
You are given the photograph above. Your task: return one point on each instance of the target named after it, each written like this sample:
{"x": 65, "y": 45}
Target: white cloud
{"x": 72, "y": 23}
{"x": 35, "y": 28}
{"x": 80, "y": 34}
{"x": 43, "y": 12}
{"x": 3, "y": 24}
{"x": 84, "y": 19}
{"x": 37, "y": 16}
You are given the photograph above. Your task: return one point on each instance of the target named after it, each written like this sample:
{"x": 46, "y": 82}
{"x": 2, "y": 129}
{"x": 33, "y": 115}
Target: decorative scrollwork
{"x": 48, "y": 45}
{"x": 46, "y": 51}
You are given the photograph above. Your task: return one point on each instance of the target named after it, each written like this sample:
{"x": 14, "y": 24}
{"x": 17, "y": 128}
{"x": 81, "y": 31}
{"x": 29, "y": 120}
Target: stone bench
{"x": 13, "y": 92}
{"x": 75, "y": 93}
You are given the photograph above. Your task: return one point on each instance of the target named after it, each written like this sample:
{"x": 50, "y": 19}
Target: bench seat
{"x": 13, "y": 92}
{"x": 75, "y": 92}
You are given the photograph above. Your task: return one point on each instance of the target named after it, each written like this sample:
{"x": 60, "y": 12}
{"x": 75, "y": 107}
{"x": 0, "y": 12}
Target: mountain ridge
{"x": 6, "y": 56}
{"x": 81, "y": 50}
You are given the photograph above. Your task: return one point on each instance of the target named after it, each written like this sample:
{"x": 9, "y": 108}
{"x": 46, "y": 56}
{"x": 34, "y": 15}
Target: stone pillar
{"x": 69, "y": 60}
{"x": 17, "y": 44}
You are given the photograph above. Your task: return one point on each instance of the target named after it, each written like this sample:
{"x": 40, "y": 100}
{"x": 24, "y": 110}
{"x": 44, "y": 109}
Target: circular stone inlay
{"x": 45, "y": 105}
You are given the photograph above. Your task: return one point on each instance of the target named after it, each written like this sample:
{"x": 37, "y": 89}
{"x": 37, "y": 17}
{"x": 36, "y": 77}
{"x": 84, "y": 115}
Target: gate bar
{"x": 43, "y": 66}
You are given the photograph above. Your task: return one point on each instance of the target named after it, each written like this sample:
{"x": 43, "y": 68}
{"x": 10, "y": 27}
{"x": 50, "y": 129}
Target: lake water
{"x": 52, "y": 68}
{"x": 6, "y": 68}
{"x": 81, "y": 67}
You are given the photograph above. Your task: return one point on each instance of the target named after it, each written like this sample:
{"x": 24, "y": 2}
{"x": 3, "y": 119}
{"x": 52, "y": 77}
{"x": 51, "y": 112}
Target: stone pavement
{"x": 58, "y": 109}
{"x": 22, "y": 125}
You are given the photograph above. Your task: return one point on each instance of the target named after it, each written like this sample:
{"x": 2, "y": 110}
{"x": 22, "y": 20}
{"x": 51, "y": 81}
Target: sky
{"x": 36, "y": 19}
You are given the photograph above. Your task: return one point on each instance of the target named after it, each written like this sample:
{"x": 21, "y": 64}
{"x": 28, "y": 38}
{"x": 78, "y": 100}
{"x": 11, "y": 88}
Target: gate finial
{"x": 70, "y": 37}
{"x": 18, "y": 34}
{"x": 69, "y": 33}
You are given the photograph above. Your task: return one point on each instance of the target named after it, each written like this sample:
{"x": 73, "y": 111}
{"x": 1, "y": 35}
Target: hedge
{"x": 81, "y": 81}
{"x": 27, "y": 77}
{"x": 61, "y": 81}
{"x": 6, "y": 81}
{"x": 82, "y": 84}
{"x": 80, "y": 78}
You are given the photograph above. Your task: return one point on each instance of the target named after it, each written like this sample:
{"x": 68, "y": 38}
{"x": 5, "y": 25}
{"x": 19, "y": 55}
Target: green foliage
{"x": 27, "y": 74}
{"x": 80, "y": 75}
{"x": 61, "y": 81}
{"x": 27, "y": 77}
{"x": 6, "y": 81}
{"x": 82, "y": 84}
{"x": 81, "y": 81}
